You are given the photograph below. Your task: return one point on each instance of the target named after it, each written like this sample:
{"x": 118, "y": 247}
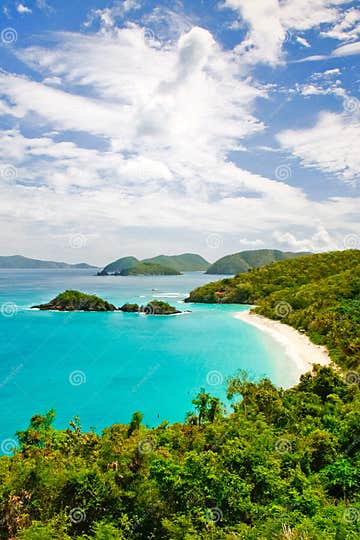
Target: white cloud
{"x": 165, "y": 115}
{"x": 143, "y": 95}
{"x": 344, "y": 50}
{"x": 272, "y": 23}
{"x": 331, "y": 145}
{"x": 303, "y": 42}
{"x": 347, "y": 50}
{"x": 320, "y": 240}
{"x": 108, "y": 16}
{"x": 21, "y": 8}
{"x": 322, "y": 83}
{"x": 347, "y": 28}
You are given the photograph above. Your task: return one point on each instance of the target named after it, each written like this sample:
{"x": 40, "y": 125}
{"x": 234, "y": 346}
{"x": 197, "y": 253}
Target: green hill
{"x": 119, "y": 265}
{"x": 238, "y": 263}
{"x": 150, "y": 269}
{"x": 187, "y": 262}
{"x": 18, "y": 261}
{"x": 319, "y": 293}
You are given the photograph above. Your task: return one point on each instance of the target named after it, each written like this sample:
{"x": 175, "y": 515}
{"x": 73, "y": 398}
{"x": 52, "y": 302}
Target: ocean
{"x": 104, "y": 366}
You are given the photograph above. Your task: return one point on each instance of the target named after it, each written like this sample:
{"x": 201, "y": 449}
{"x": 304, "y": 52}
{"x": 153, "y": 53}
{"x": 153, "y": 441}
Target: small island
{"x": 76, "y": 301}
{"x": 155, "y": 307}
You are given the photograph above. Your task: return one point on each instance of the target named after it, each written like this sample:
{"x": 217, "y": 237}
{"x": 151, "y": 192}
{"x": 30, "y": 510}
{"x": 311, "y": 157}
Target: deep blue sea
{"x": 104, "y": 366}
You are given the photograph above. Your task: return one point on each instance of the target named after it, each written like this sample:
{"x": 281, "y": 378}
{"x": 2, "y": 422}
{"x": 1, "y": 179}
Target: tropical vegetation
{"x": 282, "y": 465}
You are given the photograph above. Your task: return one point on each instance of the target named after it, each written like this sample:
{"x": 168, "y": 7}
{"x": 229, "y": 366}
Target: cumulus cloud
{"x": 134, "y": 135}
{"x": 320, "y": 240}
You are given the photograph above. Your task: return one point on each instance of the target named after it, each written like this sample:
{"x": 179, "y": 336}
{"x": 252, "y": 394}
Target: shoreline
{"x": 303, "y": 352}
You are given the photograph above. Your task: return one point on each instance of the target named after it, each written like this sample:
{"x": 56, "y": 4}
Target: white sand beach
{"x": 298, "y": 346}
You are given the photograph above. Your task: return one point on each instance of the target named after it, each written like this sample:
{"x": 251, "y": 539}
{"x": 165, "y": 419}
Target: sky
{"x": 136, "y": 127}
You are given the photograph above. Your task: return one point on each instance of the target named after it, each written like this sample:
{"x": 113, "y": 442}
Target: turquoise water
{"x": 124, "y": 362}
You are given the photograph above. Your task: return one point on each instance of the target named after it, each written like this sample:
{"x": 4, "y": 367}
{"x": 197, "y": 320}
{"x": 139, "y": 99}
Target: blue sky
{"x": 134, "y": 128}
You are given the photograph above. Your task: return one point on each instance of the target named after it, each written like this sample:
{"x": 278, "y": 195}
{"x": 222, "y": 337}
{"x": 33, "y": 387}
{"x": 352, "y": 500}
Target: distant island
{"x": 163, "y": 265}
{"x": 78, "y": 301}
{"x": 19, "y": 262}
{"x": 160, "y": 265}
{"x": 241, "y": 262}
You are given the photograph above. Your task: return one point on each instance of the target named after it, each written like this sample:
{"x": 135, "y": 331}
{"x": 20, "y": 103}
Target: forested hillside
{"x": 245, "y": 260}
{"x": 284, "y": 465}
{"x": 318, "y": 293}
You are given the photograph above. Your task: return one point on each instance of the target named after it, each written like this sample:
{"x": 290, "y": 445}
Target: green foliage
{"x": 317, "y": 293}
{"x": 77, "y": 301}
{"x": 285, "y": 464}
{"x": 238, "y": 263}
{"x": 155, "y": 307}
